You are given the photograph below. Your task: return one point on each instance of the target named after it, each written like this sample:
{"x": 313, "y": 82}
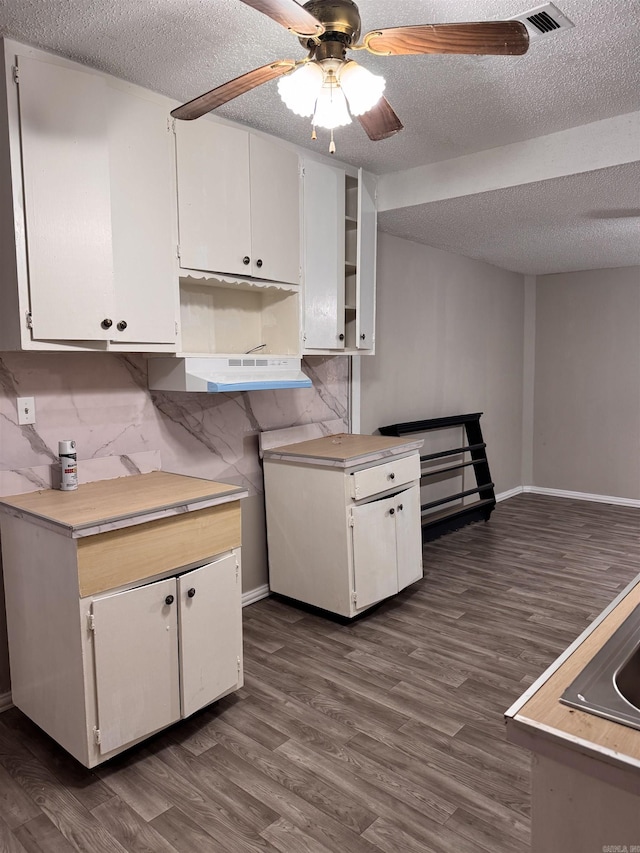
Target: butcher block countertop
{"x": 538, "y": 716}
{"x": 344, "y": 450}
{"x": 113, "y": 504}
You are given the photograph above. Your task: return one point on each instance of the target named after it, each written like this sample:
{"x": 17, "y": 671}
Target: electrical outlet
{"x": 26, "y": 410}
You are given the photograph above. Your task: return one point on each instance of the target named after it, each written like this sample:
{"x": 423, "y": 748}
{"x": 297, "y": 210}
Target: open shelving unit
{"x": 450, "y": 512}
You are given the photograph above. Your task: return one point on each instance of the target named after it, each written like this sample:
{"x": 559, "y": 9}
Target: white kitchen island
{"x": 343, "y": 520}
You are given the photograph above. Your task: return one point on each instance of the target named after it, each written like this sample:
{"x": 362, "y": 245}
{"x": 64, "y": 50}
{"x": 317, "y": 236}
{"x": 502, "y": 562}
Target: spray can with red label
{"x": 68, "y": 465}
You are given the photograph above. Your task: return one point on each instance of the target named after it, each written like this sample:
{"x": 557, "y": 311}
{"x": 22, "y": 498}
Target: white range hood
{"x": 213, "y": 374}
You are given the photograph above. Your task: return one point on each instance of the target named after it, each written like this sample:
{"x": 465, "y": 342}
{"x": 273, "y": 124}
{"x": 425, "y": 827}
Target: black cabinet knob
{"x": 259, "y": 262}
{"x": 246, "y": 260}
{"x": 106, "y": 323}
{"x": 168, "y": 599}
{"x": 191, "y": 592}
{"x": 392, "y": 511}
{"x": 362, "y": 336}
{"x": 392, "y": 476}
{"x": 341, "y": 336}
{"x": 122, "y": 325}
{"x": 400, "y": 507}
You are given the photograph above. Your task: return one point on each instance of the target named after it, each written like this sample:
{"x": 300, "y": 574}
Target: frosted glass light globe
{"x": 331, "y": 107}
{"x": 362, "y": 89}
{"x": 300, "y": 90}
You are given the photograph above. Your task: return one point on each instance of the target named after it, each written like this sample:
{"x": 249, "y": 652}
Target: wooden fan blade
{"x": 482, "y": 37}
{"x": 288, "y": 14}
{"x": 228, "y": 91}
{"x": 380, "y": 121}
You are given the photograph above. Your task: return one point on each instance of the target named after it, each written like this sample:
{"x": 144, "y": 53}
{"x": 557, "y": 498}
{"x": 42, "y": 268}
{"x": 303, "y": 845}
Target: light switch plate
{"x": 26, "y": 410}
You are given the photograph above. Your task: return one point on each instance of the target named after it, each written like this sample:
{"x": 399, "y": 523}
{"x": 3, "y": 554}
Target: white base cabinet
{"x": 342, "y": 537}
{"x": 164, "y": 650}
{"x": 118, "y": 633}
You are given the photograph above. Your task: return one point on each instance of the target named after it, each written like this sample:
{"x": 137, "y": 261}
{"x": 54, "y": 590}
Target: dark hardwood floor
{"x": 385, "y": 734}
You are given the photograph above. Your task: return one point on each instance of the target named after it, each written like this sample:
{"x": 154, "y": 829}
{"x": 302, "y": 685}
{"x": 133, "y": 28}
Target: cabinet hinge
{"x": 354, "y": 597}
{"x": 352, "y": 520}
{"x": 171, "y": 125}
{"x": 91, "y": 622}
{"x": 14, "y": 72}
{"x": 237, "y": 571}
{"x": 178, "y": 251}
{"x": 238, "y": 662}
{"x": 176, "y": 325}
{"x": 29, "y": 318}
{"x": 96, "y": 734}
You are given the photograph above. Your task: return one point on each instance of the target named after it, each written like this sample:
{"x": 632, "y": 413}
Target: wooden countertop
{"x": 344, "y": 448}
{"x": 541, "y": 712}
{"x": 112, "y": 504}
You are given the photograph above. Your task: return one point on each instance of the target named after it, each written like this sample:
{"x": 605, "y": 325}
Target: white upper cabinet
{"x": 339, "y": 229}
{"x": 88, "y": 209}
{"x": 324, "y": 247}
{"x": 65, "y": 164}
{"x": 143, "y": 218}
{"x": 238, "y": 203}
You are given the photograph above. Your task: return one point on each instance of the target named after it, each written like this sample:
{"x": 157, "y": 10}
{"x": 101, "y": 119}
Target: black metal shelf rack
{"x": 435, "y": 524}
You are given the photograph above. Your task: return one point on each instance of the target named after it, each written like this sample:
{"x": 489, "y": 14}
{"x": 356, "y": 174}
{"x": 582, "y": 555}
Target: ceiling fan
{"x": 327, "y": 86}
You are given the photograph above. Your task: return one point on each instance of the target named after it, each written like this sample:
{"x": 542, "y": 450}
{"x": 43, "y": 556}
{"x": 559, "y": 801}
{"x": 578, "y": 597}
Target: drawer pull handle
{"x": 107, "y": 323}
{"x": 392, "y": 476}
{"x": 191, "y": 592}
{"x": 392, "y": 511}
{"x": 400, "y": 507}
{"x": 168, "y": 600}
{"x": 122, "y": 325}
{"x": 246, "y": 260}
{"x": 259, "y": 262}
{"x": 341, "y": 336}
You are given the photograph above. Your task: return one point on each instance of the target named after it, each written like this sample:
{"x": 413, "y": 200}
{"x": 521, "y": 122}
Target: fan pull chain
{"x": 332, "y": 145}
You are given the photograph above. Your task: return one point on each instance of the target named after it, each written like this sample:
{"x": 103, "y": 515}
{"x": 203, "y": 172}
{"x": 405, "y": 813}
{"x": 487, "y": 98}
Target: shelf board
{"x": 351, "y": 223}
{"x": 350, "y": 266}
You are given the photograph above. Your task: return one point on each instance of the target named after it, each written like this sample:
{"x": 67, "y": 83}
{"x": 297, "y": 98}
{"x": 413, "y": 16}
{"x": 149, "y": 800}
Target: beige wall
{"x": 449, "y": 340}
{"x": 587, "y": 382}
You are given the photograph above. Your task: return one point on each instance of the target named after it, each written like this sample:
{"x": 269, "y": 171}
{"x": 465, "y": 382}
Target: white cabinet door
{"x": 238, "y": 203}
{"x": 65, "y": 162}
{"x": 142, "y": 175}
{"x": 275, "y": 211}
{"x": 324, "y": 250}
{"x": 374, "y": 551}
{"x": 210, "y": 632}
{"x": 408, "y": 536}
{"x": 214, "y": 208}
{"x": 136, "y": 662}
{"x": 366, "y": 262}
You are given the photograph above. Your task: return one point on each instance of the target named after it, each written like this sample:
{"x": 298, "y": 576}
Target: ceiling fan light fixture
{"x": 331, "y": 107}
{"x": 301, "y": 89}
{"x": 362, "y": 89}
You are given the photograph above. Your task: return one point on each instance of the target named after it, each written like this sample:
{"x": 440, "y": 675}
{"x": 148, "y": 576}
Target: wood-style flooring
{"x": 385, "y": 734}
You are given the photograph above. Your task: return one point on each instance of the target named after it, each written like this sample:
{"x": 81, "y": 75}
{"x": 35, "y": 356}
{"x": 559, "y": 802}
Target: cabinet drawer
{"x": 380, "y": 478}
{"x": 119, "y": 557}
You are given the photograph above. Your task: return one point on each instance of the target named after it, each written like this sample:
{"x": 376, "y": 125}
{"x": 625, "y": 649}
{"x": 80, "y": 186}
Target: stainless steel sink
{"x": 609, "y": 685}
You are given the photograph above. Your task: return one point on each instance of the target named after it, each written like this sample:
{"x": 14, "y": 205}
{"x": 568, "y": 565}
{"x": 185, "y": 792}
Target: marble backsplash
{"x": 102, "y": 402}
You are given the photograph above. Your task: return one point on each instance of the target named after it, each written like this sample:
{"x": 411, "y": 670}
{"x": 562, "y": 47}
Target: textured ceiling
{"x": 586, "y": 221}
{"x": 450, "y": 105}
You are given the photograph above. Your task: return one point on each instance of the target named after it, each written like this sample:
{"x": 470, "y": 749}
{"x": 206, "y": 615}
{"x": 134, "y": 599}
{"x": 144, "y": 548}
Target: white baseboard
{"x": 510, "y": 493}
{"x": 582, "y": 496}
{"x": 5, "y": 701}
{"x": 253, "y": 595}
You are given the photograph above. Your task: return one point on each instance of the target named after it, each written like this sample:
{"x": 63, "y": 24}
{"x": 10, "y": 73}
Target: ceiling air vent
{"x": 544, "y": 21}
